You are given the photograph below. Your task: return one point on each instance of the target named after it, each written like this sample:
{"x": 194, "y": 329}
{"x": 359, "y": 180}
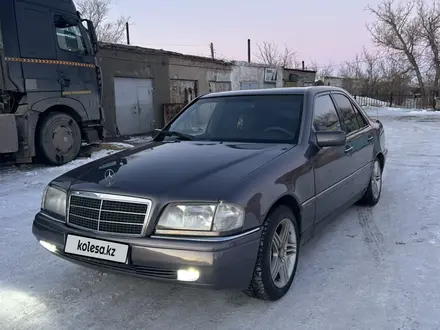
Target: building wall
{"x": 173, "y": 75}
{"x": 201, "y": 71}
{"x": 244, "y": 72}
{"x": 333, "y": 81}
{"x": 298, "y": 78}
{"x": 132, "y": 63}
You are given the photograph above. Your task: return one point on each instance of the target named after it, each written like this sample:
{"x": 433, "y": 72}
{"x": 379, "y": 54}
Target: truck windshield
{"x": 268, "y": 118}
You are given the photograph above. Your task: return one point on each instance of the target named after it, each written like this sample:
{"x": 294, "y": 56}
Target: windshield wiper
{"x": 182, "y": 136}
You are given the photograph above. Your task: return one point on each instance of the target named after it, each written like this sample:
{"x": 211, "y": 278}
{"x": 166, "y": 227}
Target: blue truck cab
{"x": 50, "y": 84}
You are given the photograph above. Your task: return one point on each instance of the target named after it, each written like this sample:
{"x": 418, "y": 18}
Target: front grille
{"x": 108, "y": 213}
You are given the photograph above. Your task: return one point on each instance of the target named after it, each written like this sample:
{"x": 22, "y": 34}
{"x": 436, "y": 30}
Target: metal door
{"x": 134, "y": 105}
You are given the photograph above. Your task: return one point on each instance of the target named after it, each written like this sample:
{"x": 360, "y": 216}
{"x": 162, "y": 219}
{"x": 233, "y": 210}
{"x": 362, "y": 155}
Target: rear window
{"x": 244, "y": 118}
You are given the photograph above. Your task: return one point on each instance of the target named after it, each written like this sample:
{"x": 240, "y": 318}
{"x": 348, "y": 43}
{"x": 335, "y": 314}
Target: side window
{"x": 346, "y": 111}
{"x": 69, "y": 36}
{"x": 325, "y": 116}
{"x": 361, "y": 120}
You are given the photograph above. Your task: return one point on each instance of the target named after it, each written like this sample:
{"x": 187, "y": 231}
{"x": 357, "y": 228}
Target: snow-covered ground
{"x": 370, "y": 269}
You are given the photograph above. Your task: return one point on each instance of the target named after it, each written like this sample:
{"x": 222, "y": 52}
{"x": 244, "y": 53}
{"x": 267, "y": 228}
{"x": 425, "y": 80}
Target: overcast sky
{"x": 321, "y": 30}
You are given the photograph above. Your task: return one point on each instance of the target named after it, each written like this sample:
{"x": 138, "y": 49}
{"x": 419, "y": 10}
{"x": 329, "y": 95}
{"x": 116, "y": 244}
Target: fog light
{"x": 188, "y": 275}
{"x": 48, "y": 246}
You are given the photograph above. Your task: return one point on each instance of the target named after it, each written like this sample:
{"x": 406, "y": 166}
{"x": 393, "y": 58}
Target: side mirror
{"x": 331, "y": 138}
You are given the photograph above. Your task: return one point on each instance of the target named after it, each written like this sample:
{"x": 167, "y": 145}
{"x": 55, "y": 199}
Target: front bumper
{"x": 223, "y": 263}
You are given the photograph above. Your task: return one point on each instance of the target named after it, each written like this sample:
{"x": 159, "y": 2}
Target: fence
{"x": 396, "y": 100}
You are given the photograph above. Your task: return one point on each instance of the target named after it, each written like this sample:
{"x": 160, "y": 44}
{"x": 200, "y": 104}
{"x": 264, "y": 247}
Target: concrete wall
{"x": 333, "y": 81}
{"x": 174, "y": 73}
{"x": 300, "y": 77}
{"x": 202, "y": 71}
{"x": 158, "y": 65}
{"x": 116, "y": 61}
{"x": 251, "y": 72}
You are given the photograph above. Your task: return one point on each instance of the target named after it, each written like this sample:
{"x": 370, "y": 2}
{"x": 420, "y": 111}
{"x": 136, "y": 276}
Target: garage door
{"x": 134, "y": 105}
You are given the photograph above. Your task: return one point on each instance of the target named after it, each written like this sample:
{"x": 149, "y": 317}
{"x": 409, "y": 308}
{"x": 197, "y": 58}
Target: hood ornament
{"x": 109, "y": 177}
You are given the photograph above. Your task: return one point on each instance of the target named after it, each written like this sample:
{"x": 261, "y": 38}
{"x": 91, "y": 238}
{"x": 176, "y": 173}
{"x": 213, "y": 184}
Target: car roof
{"x": 310, "y": 90}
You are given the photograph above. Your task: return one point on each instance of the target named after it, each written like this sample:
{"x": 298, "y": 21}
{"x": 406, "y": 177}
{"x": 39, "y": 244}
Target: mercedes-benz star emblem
{"x": 109, "y": 177}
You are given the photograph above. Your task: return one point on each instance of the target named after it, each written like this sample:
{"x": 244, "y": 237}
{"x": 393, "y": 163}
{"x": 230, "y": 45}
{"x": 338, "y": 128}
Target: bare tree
{"x": 98, "y": 12}
{"x": 396, "y": 28}
{"x": 269, "y": 54}
{"x": 372, "y": 73}
{"x": 352, "y": 69}
{"x": 429, "y": 32}
{"x": 323, "y": 70}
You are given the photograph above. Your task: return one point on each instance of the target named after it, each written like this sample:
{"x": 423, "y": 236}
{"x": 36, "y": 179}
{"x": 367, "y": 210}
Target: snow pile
{"x": 116, "y": 145}
{"x": 373, "y": 112}
{"x": 33, "y": 178}
{"x": 139, "y": 139}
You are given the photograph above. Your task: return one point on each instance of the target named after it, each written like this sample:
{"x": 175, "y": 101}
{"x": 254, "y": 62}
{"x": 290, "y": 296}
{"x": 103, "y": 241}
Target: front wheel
{"x": 277, "y": 257}
{"x": 59, "y": 138}
{"x": 374, "y": 190}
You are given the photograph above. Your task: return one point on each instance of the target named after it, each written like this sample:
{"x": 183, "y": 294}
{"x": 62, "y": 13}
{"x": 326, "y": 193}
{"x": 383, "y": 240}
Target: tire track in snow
{"x": 372, "y": 235}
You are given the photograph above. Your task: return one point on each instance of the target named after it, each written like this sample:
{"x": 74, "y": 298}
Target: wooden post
{"x": 127, "y": 29}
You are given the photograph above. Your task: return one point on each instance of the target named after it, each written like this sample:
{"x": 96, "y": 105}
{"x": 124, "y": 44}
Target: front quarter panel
{"x": 288, "y": 175}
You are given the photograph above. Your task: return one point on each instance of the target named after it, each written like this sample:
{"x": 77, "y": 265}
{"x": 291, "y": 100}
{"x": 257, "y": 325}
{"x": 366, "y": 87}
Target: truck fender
{"x": 74, "y": 104}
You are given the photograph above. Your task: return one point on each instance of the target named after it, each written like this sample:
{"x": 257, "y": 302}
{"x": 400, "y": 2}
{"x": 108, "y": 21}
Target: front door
{"x": 359, "y": 144}
{"x": 76, "y": 63}
{"x": 329, "y": 163}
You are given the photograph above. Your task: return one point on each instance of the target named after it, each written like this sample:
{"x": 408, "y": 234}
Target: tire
{"x": 374, "y": 190}
{"x": 263, "y": 285}
{"x": 59, "y": 139}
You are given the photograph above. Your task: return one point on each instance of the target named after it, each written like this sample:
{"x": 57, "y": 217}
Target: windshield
{"x": 249, "y": 118}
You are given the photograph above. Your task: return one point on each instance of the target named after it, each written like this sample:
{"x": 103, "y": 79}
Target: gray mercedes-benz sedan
{"x": 223, "y": 195}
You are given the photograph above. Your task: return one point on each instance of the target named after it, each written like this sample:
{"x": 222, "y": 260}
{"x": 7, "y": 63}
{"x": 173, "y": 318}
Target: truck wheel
{"x": 277, "y": 257}
{"x": 59, "y": 138}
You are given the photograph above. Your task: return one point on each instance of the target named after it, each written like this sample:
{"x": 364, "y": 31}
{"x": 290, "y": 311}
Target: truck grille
{"x": 106, "y": 213}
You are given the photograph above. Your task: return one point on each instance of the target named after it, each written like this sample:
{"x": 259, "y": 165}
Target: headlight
{"x": 54, "y": 201}
{"x": 221, "y": 217}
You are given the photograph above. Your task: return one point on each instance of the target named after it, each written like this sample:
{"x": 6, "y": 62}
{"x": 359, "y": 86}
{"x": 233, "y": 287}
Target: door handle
{"x": 348, "y": 150}
{"x": 370, "y": 138}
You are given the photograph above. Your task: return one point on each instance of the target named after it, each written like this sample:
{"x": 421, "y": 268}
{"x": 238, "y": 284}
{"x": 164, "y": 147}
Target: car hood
{"x": 183, "y": 170}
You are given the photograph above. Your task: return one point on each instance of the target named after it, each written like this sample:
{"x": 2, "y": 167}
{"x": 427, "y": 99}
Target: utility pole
{"x": 211, "y": 47}
{"x": 249, "y": 50}
{"x": 127, "y": 29}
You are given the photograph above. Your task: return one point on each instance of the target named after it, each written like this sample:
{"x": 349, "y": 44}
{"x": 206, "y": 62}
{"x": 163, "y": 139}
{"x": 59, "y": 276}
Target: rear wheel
{"x": 59, "y": 138}
{"x": 277, "y": 257}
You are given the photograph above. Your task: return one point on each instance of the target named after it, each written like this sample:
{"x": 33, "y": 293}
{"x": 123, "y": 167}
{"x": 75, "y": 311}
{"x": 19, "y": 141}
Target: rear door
{"x": 359, "y": 148}
{"x": 329, "y": 163}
